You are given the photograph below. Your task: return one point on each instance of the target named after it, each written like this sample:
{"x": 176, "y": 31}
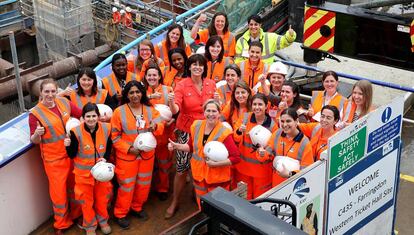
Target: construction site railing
{"x": 155, "y": 31}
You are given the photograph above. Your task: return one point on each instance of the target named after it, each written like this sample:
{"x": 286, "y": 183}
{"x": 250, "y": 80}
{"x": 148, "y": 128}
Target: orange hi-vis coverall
{"x": 318, "y": 101}
{"x": 93, "y": 195}
{"x": 215, "y": 70}
{"x": 229, "y": 41}
{"x": 57, "y": 164}
{"x": 127, "y": 19}
{"x": 203, "y": 175}
{"x": 250, "y": 74}
{"x": 279, "y": 145}
{"x": 80, "y": 101}
{"x": 161, "y": 51}
{"x": 170, "y": 76}
{"x": 257, "y": 174}
{"x": 313, "y": 131}
{"x": 112, "y": 85}
{"x": 162, "y": 155}
{"x": 134, "y": 173}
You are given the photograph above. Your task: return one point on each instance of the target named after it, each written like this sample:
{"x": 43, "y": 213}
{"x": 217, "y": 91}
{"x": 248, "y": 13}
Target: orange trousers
{"x": 134, "y": 178}
{"x": 61, "y": 185}
{"x": 201, "y": 188}
{"x": 256, "y": 186}
{"x": 94, "y": 197}
{"x": 164, "y": 163}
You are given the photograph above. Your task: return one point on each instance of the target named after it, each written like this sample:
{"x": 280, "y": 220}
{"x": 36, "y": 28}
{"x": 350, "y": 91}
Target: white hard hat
{"x": 114, "y": 9}
{"x": 128, "y": 9}
{"x": 278, "y": 67}
{"x": 221, "y": 83}
{"x": 122, "y": 11}
{"x": 227, "y": 125}
{"x": 145, "y": 142}
{"x": 165, "y": 111}
{"x": 72, "y": 123}
{"x": 259, "y": 84}
{"x": 103, "y": 171}
{"x": 216, "y": 151}
{"x": 201, "y": 50}
{"x": 285, "y": 164}
{"x": 104, "y": 110}
{"x": 260, "y": 135}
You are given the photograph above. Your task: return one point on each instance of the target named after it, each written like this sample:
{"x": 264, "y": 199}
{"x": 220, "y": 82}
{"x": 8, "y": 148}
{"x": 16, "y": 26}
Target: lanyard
{"x": 283, "y": 148}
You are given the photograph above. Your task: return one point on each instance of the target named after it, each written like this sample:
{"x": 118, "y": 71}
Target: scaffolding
{"x": 63, "y": 28}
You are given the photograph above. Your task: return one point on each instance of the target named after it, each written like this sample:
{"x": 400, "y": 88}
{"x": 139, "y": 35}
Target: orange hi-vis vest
{"x": 88, "y": 151}
{"x": 161, "y": 51}
{"x": 313, "y": 131}
{"x": 127, "y": 19}
{"x": 318, "y": 101}
{"x": 225, "y": 94}
{"x": 349, "y": 111}
{"x": 279, "y": 145}
{"x": 170, "y": 76}
{"x": 225, "y": 115}
{"x": 249, "y": 164}
{"x": 52, "y": 147}
{"x": 80, "y": 101}
{"x": 250, "y": 75}
{"x": 116, "y": 17}
{"x": 199, "y": 168}
{"x": 229, "y": 41}
{"x": 163, "y": 90}
{"x": 146, "y": 65}
{"x": 215, "y": 70}
{"x": 124, "y": 130}
{"x": 111, "y": 83}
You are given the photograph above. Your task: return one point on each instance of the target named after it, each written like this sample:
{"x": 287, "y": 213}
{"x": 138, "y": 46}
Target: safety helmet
{"x": 165, "y": 111}
{"x": 227, "y": 125}
{"x": 145, "y": 142}
{"x": 221, "y": 83}
{"x": 103, "y": 171}
{"x": 105, "y": 110}
{"x": 114, "y": 9}
{"x": 259, "y": 84}
{"x": 278, "y": 67}
{"x": 128, "y": 9}
{"x": 72, "y": 123}
{"x": 260, "y": 135}
{"x": 201, "y": 50}
{"x": 216, "y": 151}
{"x": 122, "y": 11}
{"x": 284, "y": 163}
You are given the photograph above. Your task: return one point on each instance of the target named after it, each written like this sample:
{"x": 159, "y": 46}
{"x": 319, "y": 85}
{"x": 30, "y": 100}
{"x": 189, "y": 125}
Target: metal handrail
{"x": 7, "y": 2}
{"x": 154, "y": 31}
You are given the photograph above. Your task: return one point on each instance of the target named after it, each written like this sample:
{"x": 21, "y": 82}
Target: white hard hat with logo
{"x": 145, "y": 142}
{"x": 260, "y": 135}
{"x": 278, "y": 67}
{"x": 227, "y": 125}
{"x": 165, "y": 111}
{"x": 72, "y": 123}
{"x": 128, "y": 9}
{"x": 216, "y": 151}
{"x": 285, "y": 164}
{"x": 103, "y": 171}
{"x": 114, "y": 9}
{"x": 122, "y": 11}
{"x": 104, "y": 110}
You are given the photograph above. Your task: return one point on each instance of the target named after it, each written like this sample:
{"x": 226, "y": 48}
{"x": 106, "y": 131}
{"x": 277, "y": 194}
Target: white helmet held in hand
{"x": 216, "y": 151}
{"x": 145, "y": 142}
{"x": 260, "y": 135}
{"x": 165, "y": 111}
{"x": 104, "y": 110}
{"x": 284, "y": 165}
{"x": 259, "y": 84}
{"x": 72, "y": 123}
{"x": 278, "y": 67}
{"x": 221, "y": 83}
{"x": 103, "y": 171}
{"x": 227, "y": 125}
{"x": 201, "y": 50}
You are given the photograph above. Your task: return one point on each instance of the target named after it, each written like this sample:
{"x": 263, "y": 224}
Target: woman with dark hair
{"x": 287, "y": 141}
{"x": 94, "y": 194}
{"x": 177, "y": 70}
{"x": 329, "y": 96}
{"x": 256, "y": 174}
{"x": 290, "y": 99}
{"x": 120, "y": 76}
{"x": 320, "y": 132}
{"x": 134, "y": 167}
{"x": 232, "y": 75}
{"x": 174, "y": 38}
{"x": 239, "y": 104}
{"x": 188, "y": 99}
{"x": 216, "y": 62}
{"x": 219, "y": 26}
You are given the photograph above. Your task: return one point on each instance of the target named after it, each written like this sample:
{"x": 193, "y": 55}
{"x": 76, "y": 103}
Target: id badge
{"x": 273, "y": 113}
{"x": 140, "y": 123}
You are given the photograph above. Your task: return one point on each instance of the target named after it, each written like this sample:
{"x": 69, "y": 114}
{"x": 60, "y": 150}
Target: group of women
{"x": 168, "y": 74}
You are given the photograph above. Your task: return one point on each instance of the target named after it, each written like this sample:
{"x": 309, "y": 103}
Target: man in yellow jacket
{"x": 270, "y": 41}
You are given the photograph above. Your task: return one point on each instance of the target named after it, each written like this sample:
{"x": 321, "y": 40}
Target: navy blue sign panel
{"x": 386, "y": 132}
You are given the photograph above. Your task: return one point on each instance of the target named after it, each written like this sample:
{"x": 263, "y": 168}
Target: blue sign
{"x": 386, "y": 132}
{"x": 386, "y": 115}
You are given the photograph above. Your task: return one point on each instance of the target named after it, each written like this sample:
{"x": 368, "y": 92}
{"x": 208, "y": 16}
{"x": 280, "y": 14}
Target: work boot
{"x": 141, "y": 215}
{"x": 123, "y": 222}
{"x": 106, "y": 229}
